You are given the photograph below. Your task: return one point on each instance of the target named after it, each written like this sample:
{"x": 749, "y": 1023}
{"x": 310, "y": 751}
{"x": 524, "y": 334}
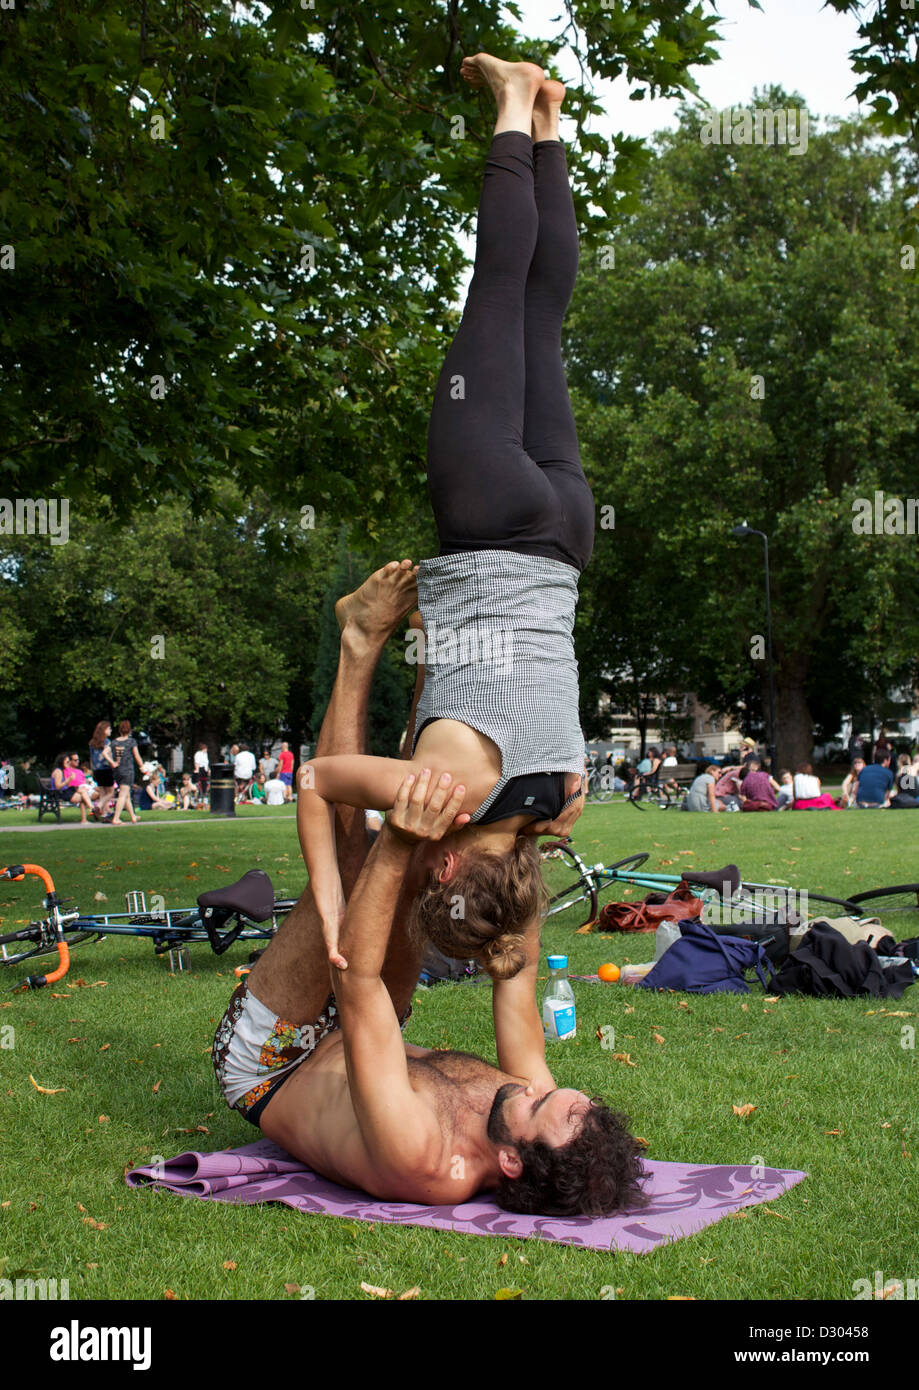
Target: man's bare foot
{"x": 372, "y": 611}
{"x": 505, "y": 79}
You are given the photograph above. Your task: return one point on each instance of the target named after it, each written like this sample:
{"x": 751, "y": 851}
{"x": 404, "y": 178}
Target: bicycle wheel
{"x": 803, "y": 897}
{"x": 900, "y": 904}
{"x": 558, "y": 864}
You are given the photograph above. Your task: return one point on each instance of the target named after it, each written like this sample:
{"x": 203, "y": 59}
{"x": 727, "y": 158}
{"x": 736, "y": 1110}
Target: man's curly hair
{"x": 597, "y": 1173}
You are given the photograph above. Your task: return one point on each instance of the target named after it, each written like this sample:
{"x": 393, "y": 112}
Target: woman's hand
{"x": 420, "y": 813}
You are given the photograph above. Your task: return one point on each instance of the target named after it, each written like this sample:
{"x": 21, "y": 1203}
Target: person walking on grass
{"x": 126, "y": 751}
{"x": 104, "y": 766}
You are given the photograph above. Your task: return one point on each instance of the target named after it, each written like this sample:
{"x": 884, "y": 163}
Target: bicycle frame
{"x": 168, "y": 928}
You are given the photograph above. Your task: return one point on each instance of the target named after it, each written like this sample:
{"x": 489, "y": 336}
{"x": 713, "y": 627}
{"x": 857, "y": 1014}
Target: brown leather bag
{"x": 648, "y": 915}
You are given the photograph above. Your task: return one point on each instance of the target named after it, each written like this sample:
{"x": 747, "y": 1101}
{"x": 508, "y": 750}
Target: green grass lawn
{"x": 835, "y": 1091}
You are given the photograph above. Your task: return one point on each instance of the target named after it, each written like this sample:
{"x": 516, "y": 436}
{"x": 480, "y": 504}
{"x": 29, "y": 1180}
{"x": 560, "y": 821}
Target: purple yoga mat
{"x": 685, "y": 1197}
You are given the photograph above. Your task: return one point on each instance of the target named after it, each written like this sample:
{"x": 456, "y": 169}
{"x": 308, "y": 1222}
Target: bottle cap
{"x": 558, "y": 962}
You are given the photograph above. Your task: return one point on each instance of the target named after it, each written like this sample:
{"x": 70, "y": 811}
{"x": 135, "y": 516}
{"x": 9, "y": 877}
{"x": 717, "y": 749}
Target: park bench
{"x": 49, "y": 802}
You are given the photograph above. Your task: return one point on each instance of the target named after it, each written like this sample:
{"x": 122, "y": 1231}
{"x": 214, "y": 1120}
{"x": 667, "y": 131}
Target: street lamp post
{"x": 745, "y": 530}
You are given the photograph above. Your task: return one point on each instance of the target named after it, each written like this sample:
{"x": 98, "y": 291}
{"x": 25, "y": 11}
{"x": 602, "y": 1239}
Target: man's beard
{"x": 496, "y": 1128}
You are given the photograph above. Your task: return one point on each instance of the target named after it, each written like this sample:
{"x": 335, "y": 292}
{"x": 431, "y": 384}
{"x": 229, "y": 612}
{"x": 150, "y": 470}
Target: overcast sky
{"x": 798, "y": 44}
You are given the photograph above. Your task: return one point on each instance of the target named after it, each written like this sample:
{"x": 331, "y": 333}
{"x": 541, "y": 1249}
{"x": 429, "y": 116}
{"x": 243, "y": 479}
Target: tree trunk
{"x": 794, "y": 725}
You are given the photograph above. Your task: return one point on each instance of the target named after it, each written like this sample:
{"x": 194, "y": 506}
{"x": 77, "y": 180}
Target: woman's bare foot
{"x": 513, "y": 85}
{"x": 369, "y": 615}
{"x": 546, "y": 110}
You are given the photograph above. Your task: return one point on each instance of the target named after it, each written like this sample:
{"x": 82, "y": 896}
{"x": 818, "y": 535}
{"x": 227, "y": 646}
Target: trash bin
{"x": 223, "y": 790}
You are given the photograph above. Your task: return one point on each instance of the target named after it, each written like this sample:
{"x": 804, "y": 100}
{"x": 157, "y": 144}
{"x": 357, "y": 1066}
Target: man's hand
{"x": 562, "y": 826}
{"x": 418, "y": 813}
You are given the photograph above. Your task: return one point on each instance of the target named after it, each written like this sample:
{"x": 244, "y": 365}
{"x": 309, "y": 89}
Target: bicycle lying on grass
{"x": 571, "y": 881}
{"x": 245, "y": 911}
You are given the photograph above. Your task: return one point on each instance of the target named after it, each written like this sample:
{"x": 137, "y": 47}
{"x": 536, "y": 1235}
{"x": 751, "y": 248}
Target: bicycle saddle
{"x": 252, "y": 895}
{"x": 728, "y": 877}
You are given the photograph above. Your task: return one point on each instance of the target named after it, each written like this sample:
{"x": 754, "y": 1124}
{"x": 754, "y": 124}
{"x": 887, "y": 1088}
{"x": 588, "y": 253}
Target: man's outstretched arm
{"x": 400, "y": 1133}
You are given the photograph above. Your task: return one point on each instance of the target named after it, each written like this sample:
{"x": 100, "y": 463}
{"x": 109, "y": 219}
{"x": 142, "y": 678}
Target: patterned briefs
{"x": 254, "y": 1051}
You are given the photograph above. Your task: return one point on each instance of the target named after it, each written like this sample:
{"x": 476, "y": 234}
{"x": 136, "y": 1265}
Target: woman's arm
{"x": 137, "y": 758}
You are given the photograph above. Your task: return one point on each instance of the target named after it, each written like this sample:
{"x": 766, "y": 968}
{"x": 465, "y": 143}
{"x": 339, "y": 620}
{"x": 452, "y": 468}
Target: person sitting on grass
{"x": 727, "y": 787}
{"x": 324, "y": 1071}
{"x": 758, "y": 789}
{"x": 875, "y": 784}
{"x": 906, "y": 786}
{"x": 701, "y": 795}
{"x": 785, "y": 796}
{"x": 808, "y": 795}
{"x": 187, "y": 795}
{"x": 850, "y": 782}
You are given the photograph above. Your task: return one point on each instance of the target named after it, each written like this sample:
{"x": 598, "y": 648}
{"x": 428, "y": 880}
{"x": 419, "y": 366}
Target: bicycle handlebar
{"x": 18, "y": 871}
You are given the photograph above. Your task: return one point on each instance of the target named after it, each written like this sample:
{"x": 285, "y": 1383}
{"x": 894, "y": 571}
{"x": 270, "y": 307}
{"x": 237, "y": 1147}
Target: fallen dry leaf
{"x": 773, "y": 998}
{"x": 643, "y": 1142}
{"x": 377, "y": 1292}
{"x": 657, "y": 1038}
{"x": 76, "y": 1040}
{"x": 683, "y": 1005}
{"x": 46, "y": 1090}
{"x": 770, "y": 1212}
{"x": 96, "y": 1225}
{"x": 623, "y": 1057}
{"x": 104, "y": 1119}
{"x": 156, "y": 1086}
{"x": 229, "y": 1264}
{"x": 60, "y": 996}
{"x": 409, "y": 1294}
{"x": 80, "y": 1206}
{"x": 502, "y": 1261}
{"x": 167, "y": 1293}
{"x": 105, "y": 1047}
{"x": 503, "y": 1295}
{"x": 832, "y": 1131}
{"x": 291, "y": 1288}
{"x": 680, "y": 1298}
{"x": 743, "y": 1110}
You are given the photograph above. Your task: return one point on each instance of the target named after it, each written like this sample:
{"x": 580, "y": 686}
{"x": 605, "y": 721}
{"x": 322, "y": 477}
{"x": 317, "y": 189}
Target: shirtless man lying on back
{"x": 325, "y": 1073}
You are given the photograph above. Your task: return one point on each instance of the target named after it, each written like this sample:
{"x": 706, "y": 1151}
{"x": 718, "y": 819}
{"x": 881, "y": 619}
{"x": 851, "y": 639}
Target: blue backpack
{"x": 705, "y": 963}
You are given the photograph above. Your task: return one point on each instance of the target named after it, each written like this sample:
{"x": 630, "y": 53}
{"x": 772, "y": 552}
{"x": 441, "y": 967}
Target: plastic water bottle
{"x": 558, "y": 1019}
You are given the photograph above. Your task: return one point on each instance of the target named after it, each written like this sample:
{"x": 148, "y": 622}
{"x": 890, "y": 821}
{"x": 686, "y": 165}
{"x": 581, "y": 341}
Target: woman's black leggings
{"x": 504, "y": 469}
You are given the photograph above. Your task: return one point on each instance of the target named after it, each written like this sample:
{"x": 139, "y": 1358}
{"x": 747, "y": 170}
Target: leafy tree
{"x": 229, "y": 234}
{"x": 752, "y": 356}
{"x": 888, "y": 63}
{"x": 191, "y": 627}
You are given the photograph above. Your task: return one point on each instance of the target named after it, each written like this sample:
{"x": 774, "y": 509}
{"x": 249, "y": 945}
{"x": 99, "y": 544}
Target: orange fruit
{"x": 609, "y": 973}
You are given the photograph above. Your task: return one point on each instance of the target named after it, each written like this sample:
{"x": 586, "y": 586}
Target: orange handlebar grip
{"x": 63, "y": 951}
{"x": 41, "y": 873}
